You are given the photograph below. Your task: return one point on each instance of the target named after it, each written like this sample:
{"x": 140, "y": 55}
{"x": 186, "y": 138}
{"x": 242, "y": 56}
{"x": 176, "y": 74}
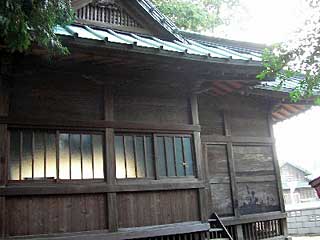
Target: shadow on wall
{"x": 257, "y": 203}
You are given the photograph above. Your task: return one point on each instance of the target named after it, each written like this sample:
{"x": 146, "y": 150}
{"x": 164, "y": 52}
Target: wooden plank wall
{"x": 59, "y": 96}
{"x": 240, "y": 155}
{"x": 56, "y": 214}
{"x": 156, "y": 208}
{"x": 84, "y": 206}
{"x": 4, "y": 105}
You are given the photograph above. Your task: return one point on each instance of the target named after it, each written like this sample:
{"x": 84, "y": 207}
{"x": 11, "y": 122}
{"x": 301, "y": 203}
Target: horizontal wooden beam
{"x": 97, "y": 125}
{"x": 128, "y": 233}
{"x": 82, "y": 188}
{"x": 253, "y": 218}
{"x": 238, "y": 140}
{"x": 255, "y": 179}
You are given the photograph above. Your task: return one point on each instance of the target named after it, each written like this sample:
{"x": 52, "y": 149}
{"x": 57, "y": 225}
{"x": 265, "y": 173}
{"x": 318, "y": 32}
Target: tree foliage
{"x": 196, "y": 15}
{"x": 299, "y": 57}
{"x": 24, "y": 22}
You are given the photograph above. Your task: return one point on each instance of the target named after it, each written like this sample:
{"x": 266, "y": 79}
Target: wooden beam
{"x": 291, "y": 108}
{"x": 203, "y": 203}
{"x": 98, "y": 125}
{"x": 22, "y": 189}
{"x": 253, "y": 218}
{"x": 129, "y": 233}
{"x": 231, "y": 164}
{"x": 4, "y": 109}
{"x": 276, "y": 166}
{"x": 110, "y": 164}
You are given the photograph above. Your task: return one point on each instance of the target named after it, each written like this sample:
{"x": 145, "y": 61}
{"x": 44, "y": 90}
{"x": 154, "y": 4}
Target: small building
{"x": 295, "y": 185}
{"x": 301, "y": 202}
{"x": 142, "y": 132}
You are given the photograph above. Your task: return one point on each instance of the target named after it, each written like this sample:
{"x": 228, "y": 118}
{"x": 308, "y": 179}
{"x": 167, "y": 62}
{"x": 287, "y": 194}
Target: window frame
{"x": 56, "y": 132}
{"x": 155, "y": 159}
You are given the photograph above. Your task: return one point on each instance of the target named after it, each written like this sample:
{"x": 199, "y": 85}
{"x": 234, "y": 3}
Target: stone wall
{"x": 304, "y": 222}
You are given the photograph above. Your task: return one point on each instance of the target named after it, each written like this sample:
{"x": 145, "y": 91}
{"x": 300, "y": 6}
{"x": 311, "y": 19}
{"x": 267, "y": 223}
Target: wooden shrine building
{"x": 142, "y": 132}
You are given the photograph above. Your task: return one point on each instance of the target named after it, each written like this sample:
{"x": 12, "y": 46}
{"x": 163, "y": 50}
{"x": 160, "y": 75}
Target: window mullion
{"x": 57, "y": 155}
{"x": 155, "y": 156}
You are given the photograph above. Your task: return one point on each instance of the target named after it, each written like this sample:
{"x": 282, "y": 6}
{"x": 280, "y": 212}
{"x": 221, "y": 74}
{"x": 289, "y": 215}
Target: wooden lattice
{"x": 107, "y": 11}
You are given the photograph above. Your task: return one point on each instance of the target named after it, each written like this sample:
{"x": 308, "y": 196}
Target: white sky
{"x": 265, "y": 21}
{"x": 271, "y": 21}
{"x": 298, "y": 140}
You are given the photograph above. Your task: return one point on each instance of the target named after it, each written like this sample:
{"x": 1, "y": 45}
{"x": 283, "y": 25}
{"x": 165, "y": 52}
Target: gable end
{"x": 108, "y": 14}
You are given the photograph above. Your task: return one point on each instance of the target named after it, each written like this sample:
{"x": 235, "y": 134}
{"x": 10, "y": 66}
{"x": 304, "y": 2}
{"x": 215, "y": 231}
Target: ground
{"x": 306, "y": 238}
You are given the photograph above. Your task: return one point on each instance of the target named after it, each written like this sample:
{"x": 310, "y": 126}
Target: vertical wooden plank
{"x": 156, "y": 156}
{"x": 231, "y": 164}
{"x": 92, "y": 155}
{"x": 125, "y": 156}
{"x": 283, "y": 227}
{"x": 166, "y": 156}
{"x": 109, "y": 163}
{"x": 145, "y": 157}
{"x": 20, "y": 155}
{"x": 276, "y": 164}
{"x": 81, "y": 156}
{"x": 175, "y": 156}
{"x": 135, "y": 155}
{"x": 57, "y": 154}
{"x": 32, "y": 154}
{"x": 202, "y": 193}
{"x": 45, "y": 154}
{"x": 70, "y": 158}
{"x": 239, "y": 232}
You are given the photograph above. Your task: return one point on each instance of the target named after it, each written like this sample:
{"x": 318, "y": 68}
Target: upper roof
{"x": 138, "y": 26}
{"x": 299, "y": 168}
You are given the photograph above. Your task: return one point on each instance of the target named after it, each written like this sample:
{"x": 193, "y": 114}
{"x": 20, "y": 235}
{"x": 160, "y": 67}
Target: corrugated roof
{"x": 286, "y": 87}
{"x": 188, "y": 47}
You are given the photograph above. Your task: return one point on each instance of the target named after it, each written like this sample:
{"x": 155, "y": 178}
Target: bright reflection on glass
{"x": 64, "y": 166}
{"x": 97, "y": 142}
{"x": 33, "y": 155}
{"x": 39, "y": 154}
{"x": 134, "y": 156}
{"x": 51, "y": 168}
{"x": 87, "y": 158}
{"x": 14, "y": 155}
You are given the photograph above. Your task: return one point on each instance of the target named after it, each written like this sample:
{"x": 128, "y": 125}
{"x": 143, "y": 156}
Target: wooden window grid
{"x": 37, "y": 155}
{"x": 168, "y": 155}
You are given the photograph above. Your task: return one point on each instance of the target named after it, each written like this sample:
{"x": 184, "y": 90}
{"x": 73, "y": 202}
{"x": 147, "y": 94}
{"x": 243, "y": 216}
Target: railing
{"x": 217, "y": 229}
{"x": 262, "y": 229}
{"x": 185, "y": 236}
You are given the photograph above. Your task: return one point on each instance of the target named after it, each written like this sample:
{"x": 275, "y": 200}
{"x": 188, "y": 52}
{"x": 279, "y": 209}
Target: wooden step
{"x": 215, "y": 230}
{"x": 212, "y": 220}
{"x": 219, "y": 239}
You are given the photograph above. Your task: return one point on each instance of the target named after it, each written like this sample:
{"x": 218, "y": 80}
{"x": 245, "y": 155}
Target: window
{"x": 137, "y": 155}
{"x": 40, "y": 155}
{"x": 134, "y": 156}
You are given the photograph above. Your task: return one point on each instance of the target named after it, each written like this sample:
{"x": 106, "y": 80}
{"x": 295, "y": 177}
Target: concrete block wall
{"x": 304, "y": 222}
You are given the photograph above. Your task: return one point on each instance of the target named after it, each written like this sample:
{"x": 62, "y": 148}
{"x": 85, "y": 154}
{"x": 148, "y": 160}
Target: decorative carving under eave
{"x": 106, "y": 12}
{"x": 104, "y": 4}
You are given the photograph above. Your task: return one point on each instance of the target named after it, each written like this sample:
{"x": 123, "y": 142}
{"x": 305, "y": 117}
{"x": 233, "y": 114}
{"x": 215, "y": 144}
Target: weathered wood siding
{"x": 64, "y": 207}
{"x": 56, "y": 214}
{"x": 152, "y": 109}
{"x": 56, "y": 96}
{"x": 219, "y": 175}
{"x": 156, "y": 208}
{"x": 239, "y": 151}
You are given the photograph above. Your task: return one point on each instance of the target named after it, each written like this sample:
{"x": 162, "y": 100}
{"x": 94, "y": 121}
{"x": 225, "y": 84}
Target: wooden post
{"x": 109, "y": 166}
{"x": 231, "y": 163}
{"x": 276, "y": 165}
{"x": 202, "y": 192}
{"x": 239, "y": 232}
{"x": 4, "y": 103}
